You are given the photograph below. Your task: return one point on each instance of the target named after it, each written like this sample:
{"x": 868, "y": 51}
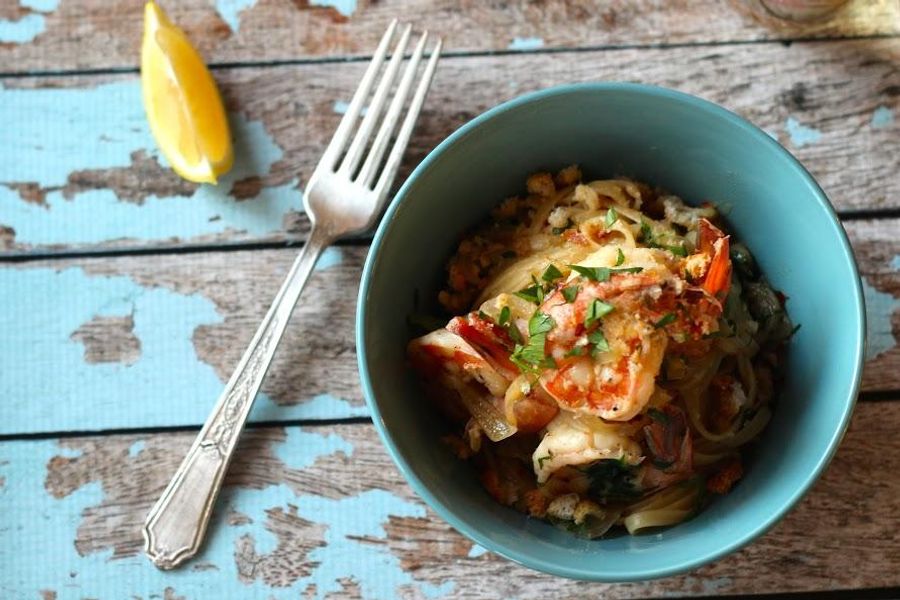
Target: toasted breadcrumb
{"x": 541, "y": 184}
{"x": 568, "y": 176}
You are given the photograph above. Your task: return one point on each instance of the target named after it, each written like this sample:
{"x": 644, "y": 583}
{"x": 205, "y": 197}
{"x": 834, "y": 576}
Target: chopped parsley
{"x": 514, "y": 333}
{"x": 484, "y": 316}
{"x": 597, "y": 310}
{"x": 599, "y": 341}
{"x": 602, "y": 273}
{"x": 620, "y": 257}
{"x": 540, "y": 323}
{"x": 533, "y": 294}
{"x": 575, "y": 351}
{"x": 677, "y": 250}
{"x": 504, "y": 316}
{"x": 570, "y": 293}
{"x": 668, "y": 318}
{"x": 551, "y": 273}
{"x": 530, "y": 357}
{"x": 646, "y": 235}
{"x": 611, "y": 217}
{"x": 541, "y": 459}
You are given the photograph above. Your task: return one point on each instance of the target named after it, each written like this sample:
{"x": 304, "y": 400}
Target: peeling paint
{"x": 136, "y": 448}
{"x": 345, "y": 7}
{"x": 476, "y": 550}
{"x": 230, "y": 11}
{"x": 880, "y": 309}
{"x": 332, "y": 257}
{"x": 337, "y": 526}
{"x": 526, "y": 43}
{"x": 30, "y": 26}
{"x": 48, "y": 150}
{"x": 167, "y": 385}
{"x": 801, "y": 135}
{"x": 301, "y": 449}
{"x": 882, "y": 117}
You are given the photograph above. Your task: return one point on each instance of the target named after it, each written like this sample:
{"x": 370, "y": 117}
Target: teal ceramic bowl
{"x": 697, "y": 150}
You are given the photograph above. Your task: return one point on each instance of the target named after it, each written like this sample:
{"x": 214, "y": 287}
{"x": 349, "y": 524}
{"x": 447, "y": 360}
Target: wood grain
{"x": 175, "y": 296}
{"x": 851, "y": 512}
{"x": 267, "y": 30}
{"x": 818, "y": 99}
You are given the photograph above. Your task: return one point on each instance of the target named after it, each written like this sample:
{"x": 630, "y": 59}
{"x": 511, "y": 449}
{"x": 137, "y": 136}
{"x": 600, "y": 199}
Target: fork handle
{"x": 174, "y": 529}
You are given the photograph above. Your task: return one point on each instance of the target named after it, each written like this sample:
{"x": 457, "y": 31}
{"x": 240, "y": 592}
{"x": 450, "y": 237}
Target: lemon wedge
{"x": 183, "y": 105}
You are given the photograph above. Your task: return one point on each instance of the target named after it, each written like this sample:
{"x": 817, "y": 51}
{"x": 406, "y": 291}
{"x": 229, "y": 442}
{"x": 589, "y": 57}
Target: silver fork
{"x": 345, "y": 196}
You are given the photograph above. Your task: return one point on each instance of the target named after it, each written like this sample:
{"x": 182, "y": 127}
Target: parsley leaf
{"x": 602, "y": 273}
{"x": 551, "y": 273}
{"x": 677, "y": 250}
{"x": 646, "y": 233}
{"x": 534, "y": 293}
{"x": 540, "y": 323}
{"x": 570, "y": 293}
{"x": 620, "y": 257}
{"x": 575, "y": 351}
{"x": 592, "y": 273}
{"x": 541, "y": 460}
{"x": 668, "y": 318}
{"x": 514, "y": 333}
{"x": 530, "y": 356}
{"x": 599, "y": 341}
{"x": 597, "y": 310}
{"x": 504, "y": 316}
{"x": 611, "y": 217}
{"x": 483, "y": 316}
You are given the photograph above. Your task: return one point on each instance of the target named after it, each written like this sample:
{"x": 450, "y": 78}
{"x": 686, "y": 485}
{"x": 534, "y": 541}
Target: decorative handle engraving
{"x": 174, "y": 529}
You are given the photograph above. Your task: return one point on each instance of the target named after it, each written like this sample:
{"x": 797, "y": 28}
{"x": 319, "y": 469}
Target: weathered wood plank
{"x": 324, "y": 513}
{"x": 80, "y": 169}
{"x": 39, "y": 35}
{"x": 140, "y": 342}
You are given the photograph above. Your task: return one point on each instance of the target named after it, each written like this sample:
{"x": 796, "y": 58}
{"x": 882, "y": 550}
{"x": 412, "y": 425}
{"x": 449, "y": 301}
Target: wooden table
{"x": 128, "y": 294}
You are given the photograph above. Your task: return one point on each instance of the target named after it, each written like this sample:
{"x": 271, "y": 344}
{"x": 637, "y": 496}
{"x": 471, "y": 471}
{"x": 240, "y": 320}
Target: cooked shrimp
{"x": 617, "y": 382}
{"x": 450, "y": 361}
{"x": 582, "y": 439}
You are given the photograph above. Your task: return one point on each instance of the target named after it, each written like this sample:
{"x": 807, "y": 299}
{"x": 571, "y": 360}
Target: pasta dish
{"x": 614, "y": 350}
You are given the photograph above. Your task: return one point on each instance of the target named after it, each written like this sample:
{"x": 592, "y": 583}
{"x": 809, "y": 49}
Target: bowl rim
{"x": 634, "y": 574}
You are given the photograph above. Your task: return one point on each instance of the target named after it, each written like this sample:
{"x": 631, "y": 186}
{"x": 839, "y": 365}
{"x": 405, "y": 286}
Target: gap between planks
{"x": 19, "y": 256}
{"x": 272, "y": 63}
{"x": 879, "y": 396}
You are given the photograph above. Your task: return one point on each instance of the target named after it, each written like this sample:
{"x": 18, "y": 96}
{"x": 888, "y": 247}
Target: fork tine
{"x": 354, "y": 153}
{"x": 342, "y": 134}
{"x": 376, "y": 153}
{"x": 393, "y": 161}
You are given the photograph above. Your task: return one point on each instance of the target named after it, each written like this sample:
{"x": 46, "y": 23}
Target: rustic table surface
{"x": 128, "y": 294}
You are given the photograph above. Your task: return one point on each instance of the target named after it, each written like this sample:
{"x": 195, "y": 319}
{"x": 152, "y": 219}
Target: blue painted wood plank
{"x": 49, "y": 385}
{"x": 49, "y": 533}
{"x": 47, "y": 134}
